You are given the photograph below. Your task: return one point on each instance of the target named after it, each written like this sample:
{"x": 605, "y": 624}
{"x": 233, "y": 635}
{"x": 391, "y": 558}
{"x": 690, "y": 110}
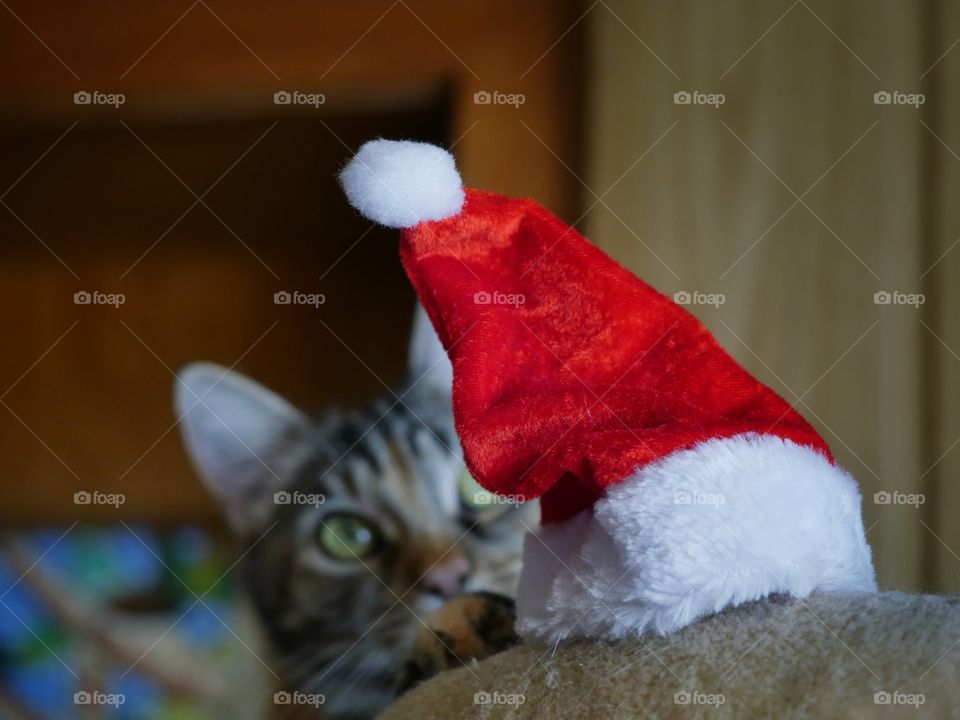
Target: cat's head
{"x": 355, "y": 525}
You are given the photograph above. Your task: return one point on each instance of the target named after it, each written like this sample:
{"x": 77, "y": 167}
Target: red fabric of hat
{"x": 570, "y": 372}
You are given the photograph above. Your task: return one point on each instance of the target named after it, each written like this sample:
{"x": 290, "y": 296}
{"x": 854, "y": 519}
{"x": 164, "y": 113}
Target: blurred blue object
{"x": 41, "y": 656}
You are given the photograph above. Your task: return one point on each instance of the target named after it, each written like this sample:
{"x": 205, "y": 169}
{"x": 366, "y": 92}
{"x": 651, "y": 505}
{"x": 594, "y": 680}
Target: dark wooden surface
{"x": 92, "y": 411}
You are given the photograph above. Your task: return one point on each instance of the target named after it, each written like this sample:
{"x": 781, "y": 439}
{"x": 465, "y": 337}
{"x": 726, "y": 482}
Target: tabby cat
{"x": 357, "y": 528}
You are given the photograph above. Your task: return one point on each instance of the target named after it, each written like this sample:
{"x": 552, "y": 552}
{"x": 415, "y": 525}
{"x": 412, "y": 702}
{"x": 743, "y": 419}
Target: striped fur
{"x": 347, "y": 629}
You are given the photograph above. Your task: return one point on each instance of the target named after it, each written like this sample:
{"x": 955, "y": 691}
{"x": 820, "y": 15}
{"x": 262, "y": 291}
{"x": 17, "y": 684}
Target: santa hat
{"x": 672, "y": 483}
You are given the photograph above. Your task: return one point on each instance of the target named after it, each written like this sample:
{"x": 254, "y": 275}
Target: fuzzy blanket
{"x": 829, "y": 656}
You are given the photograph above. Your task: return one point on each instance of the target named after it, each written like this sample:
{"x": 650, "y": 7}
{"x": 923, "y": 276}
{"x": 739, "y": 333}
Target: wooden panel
{"x": 941, "y": 431}
{"x": 231, "y": 57}
{"x": 713, "y": 207}
{"x": 100, "y": 398}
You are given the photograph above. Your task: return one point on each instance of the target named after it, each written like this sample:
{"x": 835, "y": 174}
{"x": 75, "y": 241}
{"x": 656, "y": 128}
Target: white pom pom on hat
{"x": 401, "y": 183}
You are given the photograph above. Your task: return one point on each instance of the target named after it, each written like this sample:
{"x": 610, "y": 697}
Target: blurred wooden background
{"x": 106, "y": 199}
{"x": 798, "y": 199}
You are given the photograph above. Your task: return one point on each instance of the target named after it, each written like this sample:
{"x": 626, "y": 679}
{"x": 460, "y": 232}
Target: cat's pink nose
{"x": 447, "y": 578}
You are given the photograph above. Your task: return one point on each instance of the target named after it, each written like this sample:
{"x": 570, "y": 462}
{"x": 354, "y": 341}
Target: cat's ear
{"x": 428, "y": 361}
{"x": 244, "y": 440}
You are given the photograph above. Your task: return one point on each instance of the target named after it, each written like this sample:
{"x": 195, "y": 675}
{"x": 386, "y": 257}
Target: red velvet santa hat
{"x": 672, "y": 482}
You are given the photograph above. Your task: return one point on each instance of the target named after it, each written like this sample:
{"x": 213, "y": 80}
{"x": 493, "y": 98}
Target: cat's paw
{"x": 471, "y": 627}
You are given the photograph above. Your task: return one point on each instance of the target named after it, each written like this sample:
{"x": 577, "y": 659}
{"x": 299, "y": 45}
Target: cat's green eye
{"x": 348, "y": 537}
{"x": 473, "y": 494}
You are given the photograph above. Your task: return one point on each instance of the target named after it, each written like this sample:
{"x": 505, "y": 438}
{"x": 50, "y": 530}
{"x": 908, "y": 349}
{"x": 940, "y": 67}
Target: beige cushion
{"x": 823, "y": 657}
